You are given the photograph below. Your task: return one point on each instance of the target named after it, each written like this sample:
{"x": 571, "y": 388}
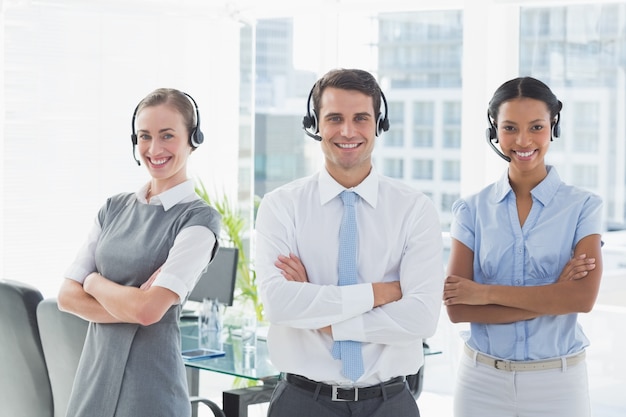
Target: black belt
{"x": 337, "y": 393}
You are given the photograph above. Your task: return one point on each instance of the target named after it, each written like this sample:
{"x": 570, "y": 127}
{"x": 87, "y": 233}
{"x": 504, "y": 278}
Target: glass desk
{"x": 259, "y": 368}
{"x": 234, "y": 363}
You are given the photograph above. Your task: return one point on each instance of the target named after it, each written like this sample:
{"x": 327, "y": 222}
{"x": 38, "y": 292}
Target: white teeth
{"x": 347, "y": 145}
{"x": 524, "y": 154}
{"x": 159, "y": 161}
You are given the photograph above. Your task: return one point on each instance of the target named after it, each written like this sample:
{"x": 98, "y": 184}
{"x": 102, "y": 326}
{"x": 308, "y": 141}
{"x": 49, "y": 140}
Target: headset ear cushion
{"x": 133, "y": 139}
{"x": 556, "y": 130}
{"x": 382, "y": 124}
{"x": 309, "y": 122}
{"x": 491, "y": 134}
{"x": 196, "y": 138}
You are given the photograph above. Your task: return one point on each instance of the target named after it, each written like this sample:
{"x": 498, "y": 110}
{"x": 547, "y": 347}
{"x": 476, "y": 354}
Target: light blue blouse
{"x": 507, "y": 254}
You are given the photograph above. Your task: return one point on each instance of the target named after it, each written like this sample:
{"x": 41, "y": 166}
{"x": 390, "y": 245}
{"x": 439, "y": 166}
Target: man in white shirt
{"x": 396, "y": 300}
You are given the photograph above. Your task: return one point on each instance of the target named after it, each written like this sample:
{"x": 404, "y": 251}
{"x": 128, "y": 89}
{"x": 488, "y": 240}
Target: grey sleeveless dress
{"x": 129, "y": 370}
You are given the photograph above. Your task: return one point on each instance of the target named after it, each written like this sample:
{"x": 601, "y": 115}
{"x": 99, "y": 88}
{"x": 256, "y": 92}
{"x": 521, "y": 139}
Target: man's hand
{"x": 292, "y": 268}
{"x": 386, "y": 292}
{"x": 327, "y": 330}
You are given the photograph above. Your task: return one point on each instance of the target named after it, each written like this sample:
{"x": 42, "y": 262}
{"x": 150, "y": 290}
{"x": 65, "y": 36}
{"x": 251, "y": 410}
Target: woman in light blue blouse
{"x": 525, "y": 260}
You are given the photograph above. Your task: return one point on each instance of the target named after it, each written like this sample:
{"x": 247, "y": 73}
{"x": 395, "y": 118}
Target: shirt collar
{"x": 546, "y": 189}
{"x": 182, "y": 192}
{"x": 543, "y": 192}
{"x": 367, "y": 189}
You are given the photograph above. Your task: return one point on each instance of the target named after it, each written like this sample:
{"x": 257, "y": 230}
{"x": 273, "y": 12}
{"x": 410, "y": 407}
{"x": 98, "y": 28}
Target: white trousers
{"x": 482, "y": 391}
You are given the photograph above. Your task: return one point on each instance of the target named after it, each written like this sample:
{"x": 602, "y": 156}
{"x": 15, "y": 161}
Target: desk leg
{"x": 236, "y": 401}
{"x": 193, "y": 382}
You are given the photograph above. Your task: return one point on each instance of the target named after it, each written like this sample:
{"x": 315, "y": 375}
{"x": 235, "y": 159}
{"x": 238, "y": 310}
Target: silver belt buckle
{"x": 335, "y": 392}
{"x": 502, "y": 365}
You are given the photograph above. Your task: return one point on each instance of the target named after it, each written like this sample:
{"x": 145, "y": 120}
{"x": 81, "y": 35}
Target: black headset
{"x": 492, "y": 134}
{"x": 196, "y": 137}
{"x": 311, "y": 126}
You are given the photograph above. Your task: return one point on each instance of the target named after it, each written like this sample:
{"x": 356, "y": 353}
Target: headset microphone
{"x": 135, "y": 155}
{"x": 490, "y": 142}
{"x": 311, "y": 135}
{"x": 492, "y": 136}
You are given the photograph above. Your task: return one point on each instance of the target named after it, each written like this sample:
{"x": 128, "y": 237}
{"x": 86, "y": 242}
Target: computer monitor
{"x": 218, "y": 279}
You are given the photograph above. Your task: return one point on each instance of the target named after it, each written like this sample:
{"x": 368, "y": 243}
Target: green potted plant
{"x": 233, "y": 224}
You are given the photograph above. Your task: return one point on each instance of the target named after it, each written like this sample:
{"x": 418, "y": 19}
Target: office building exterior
{"x": 419, "y": 65}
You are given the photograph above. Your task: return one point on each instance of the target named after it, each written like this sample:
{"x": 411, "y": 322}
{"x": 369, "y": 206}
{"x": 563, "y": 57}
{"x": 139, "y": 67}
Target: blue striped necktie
{"x": 348, "y": 351}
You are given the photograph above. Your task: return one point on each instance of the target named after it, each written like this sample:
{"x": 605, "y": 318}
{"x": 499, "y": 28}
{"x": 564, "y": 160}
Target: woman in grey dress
{"x": 141, "y": 259}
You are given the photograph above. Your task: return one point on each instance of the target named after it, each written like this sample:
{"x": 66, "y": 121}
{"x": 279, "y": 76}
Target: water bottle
{"x": 210, "y": 325}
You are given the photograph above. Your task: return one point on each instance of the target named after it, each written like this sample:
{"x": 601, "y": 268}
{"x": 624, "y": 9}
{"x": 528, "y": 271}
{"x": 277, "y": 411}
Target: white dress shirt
{"x": 399, "y": 239}
{"x": 192, "y": 247}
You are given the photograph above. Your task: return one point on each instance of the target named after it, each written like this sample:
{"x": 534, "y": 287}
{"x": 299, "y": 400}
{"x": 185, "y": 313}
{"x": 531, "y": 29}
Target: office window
{"x": 422, "y": 169}
{"x": 585, "y": 176}
{"x": 423, "y": 116}
{"x": 451, "y": 137}
{"x": 586, "y": 127}
{"x": 451, "y": 128}
{"x": 584, "y": 64}
{"x": 451, "y": 170}
{"x": 394, "y": 137}
{"x": 396, "y": 112}
{"x": 447, "y": 200}
{"x": 73, "y": 73}
{"x": 423, "y": 113}
{"x": 393, "y": 167}
{"x": 422, "y": 137}
{"x": 452, "y": 113}
{"x": 421, "y": 49}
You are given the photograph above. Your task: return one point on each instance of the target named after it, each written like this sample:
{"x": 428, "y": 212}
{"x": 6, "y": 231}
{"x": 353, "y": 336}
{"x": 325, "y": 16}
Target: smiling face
{"x": 347, "y": 125}
{"x": 163, "y": 144}
{"x": 524, "y": 129}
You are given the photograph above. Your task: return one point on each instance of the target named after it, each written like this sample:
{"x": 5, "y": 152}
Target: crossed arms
{"x": 574, "y": 291}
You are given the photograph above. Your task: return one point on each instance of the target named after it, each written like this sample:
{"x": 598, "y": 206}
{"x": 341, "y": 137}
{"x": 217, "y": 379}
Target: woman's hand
{"x": 577, "y": 268}
{"x": 459, "y": 290}
{"x": 90, "y": 282}
{"x": 146, "y": 285}
{"x": 292, "y": 268}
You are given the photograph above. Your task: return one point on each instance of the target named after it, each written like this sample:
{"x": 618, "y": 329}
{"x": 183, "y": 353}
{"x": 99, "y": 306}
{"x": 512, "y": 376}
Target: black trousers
{"x": 291, "y": 401}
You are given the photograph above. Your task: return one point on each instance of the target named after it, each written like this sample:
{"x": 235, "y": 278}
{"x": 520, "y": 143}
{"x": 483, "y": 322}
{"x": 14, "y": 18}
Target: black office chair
{"x": 24, "y": 387}
{"x": 217, "y": 411}
{"x": 62, "y": 338}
